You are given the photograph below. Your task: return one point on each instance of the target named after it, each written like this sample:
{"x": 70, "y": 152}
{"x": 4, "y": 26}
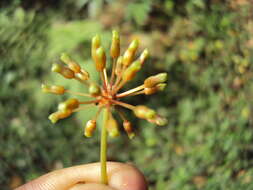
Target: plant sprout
{"x": 107, "y": 96}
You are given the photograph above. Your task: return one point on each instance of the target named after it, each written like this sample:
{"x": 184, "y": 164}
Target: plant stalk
{"x": 103, "y": 147}
{"x": 127, "y": 93}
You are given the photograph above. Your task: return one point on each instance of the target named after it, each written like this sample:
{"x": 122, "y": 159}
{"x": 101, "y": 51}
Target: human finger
{"x": 93, "y": 186}
{"x": 120, "y": 176}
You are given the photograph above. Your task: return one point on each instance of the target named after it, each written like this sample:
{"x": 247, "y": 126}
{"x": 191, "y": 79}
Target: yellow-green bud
{"x": 67, "y": 73}
{"x": 100, "y": 59}
{"x": 149, "y": 91}
{"x": 129, "y": 129}
{"x": 112, "y": 127}
{"x": 89, "y": 128}
{"x": 158, "y": 87}
{"x": 144, "y": 56}
{"x": 83, "y": 75}
{"x": 115, "y": 46}
{"x": 161, "y": 86}
{"x": 144, "y": 112}
{"x": 54, "y": 117}
{"x": 56, "y": 68}
{"x": 65, "y": 58}
{"x": 131, "y": 71}
{"x": 118, "y": 68}
{"x": 95, "y": 44}
{"x": 64, "y": 71}
{"x": 69, "y": 104}
{"x": 94, "y": 90}
{"x": 158, "y": 120}
{"x": 133, "y": 46}
{"x": 71, "y": 64}
{"x": 53, "y": 89}
{"x": 161, "y": 121}
{"x": 45, "y": 88}
{"x": 127, "y": 58}
{"x": 130, "y": 53}
{"x": 154, "y": 80}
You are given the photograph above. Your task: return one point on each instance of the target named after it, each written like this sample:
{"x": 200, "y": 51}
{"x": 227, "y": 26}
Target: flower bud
{"x": 83, "y": 75}
{"x": 158, "y": 120}
{"x": 100, "y": 59}
{"x": 133, "y": 46}
{"x": 144, "y": 112}
{"x": 131, "y": 71}
{"x": 115, "y": 46}
{"x": 56, "y": 68}
{"x": 127, "y": 58}
{"x": 69, "y": 104}
{"x": 89, "y": 128}
{"x": 54, "y": 117}
{"x": 154, "y": 80}
{"x": 130, "y": 53}
{"x": 94, "y": 89}
{"x": 161, "y": 121}
{"x": 129, "y": 129}
{"x": 118, "y": 68}
{"x": 45, "y": 88}
{"x": 86, "y": 73}
{"x": 144, "y": 56}
{"x": 95, "y": 44}
{"x": 158, "y": 87}
{"x": 112, "y": 127}
{"x": 71, "y": 64}
{"x": 53, "y": 89}
{"x": 64, "y": 71}
{"x": 149, "y": 91}
{"x": 161, "y": 86}
{"x": 65, "y": 58}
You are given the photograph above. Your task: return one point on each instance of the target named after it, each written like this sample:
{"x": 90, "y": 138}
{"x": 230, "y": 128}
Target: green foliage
{"x": 138, "y": 11}
{"x": 77, "y": 32}
{"x": 205, "y": 46}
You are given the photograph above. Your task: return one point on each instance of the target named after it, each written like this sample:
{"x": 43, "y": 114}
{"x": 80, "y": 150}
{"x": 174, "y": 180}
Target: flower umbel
{"x": 107, "y": 96}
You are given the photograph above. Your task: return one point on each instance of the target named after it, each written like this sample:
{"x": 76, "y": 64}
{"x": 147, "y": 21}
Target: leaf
{"x": 66, "y": 36}
{"x": 138, "y": 11}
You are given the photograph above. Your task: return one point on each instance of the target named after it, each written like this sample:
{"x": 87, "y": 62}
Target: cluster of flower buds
{"x": 72, "y": 70}
{"x": 107, "y": 96}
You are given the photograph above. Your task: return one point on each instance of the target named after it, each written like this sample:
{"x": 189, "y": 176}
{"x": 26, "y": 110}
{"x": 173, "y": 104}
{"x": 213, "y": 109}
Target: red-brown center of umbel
{"x": 107, "y": 98}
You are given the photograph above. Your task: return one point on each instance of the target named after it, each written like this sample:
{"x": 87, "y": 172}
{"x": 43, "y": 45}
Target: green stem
{"x": 103, "y": 148}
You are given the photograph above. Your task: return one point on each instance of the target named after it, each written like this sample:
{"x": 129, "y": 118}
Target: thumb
{"x": 93, "y": 186}
{"x": 120, "y": 176}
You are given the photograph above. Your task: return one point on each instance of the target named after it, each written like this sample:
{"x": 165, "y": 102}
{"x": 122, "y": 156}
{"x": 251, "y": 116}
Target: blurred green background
{"x": 204, "y": 46}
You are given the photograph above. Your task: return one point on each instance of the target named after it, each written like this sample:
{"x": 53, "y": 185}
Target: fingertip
{"x": 129, "y": 178}
{"x": 91, "y": 186}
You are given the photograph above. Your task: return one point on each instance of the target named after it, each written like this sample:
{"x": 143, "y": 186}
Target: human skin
{"x": 87, "y": 177}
